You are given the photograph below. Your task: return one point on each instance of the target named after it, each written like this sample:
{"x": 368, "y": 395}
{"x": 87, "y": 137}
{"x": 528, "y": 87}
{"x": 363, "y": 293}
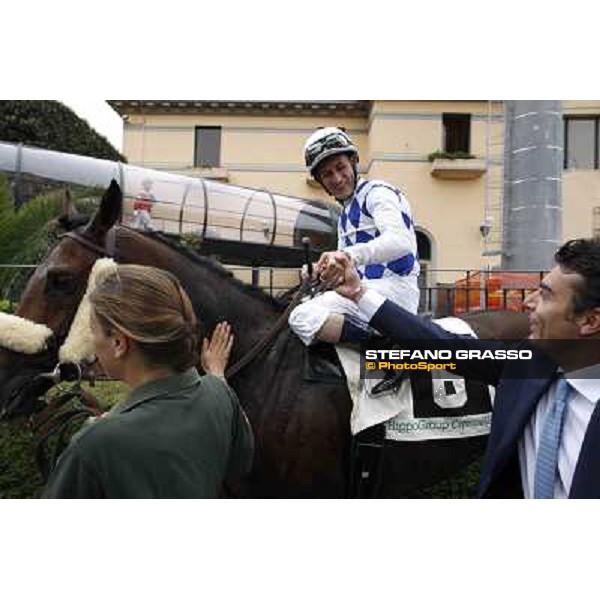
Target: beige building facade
{"x": 456, "y": 195}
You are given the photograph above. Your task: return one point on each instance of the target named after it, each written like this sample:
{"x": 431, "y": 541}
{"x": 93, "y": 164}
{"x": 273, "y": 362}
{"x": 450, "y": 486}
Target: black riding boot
{"x": 355, "y": 330}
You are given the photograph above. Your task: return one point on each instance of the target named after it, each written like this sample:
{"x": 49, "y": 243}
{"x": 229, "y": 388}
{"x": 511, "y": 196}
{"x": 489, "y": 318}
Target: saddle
{"x": 322, "y": 361}
{"x": 322, "y": 365}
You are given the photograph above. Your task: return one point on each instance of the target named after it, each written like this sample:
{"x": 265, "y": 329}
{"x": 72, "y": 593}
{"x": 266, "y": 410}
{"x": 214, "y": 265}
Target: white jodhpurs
{"x": 142, "y": 220}
{"x": 307, "y": 318}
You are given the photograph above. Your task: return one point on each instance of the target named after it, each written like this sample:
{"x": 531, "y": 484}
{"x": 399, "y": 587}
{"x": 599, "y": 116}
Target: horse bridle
{"x": 111, "y": 252}
{"x": 55, "y": 342}
{"x": 111, "y": 242}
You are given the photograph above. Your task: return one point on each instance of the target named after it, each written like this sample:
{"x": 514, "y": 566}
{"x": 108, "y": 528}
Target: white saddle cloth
{"x": 396, "y": 408}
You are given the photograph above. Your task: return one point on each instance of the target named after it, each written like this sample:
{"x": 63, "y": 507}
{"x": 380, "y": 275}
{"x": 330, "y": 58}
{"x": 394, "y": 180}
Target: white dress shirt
{"x": 584, "y": 394}
{"x": 370, "y": 303}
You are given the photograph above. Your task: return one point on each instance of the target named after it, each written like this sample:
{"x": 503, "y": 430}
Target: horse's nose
{"x": 4, "y": 371}
{"x": 4, "y": 358}
{"x": 12, "y": 379}
{"x": 4, "y": 386}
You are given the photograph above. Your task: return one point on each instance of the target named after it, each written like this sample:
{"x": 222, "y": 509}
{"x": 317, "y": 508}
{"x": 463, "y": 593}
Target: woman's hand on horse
{"x": 215, "y": 353}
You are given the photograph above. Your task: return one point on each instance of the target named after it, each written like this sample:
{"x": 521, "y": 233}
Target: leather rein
{"x": 279, "y": 325}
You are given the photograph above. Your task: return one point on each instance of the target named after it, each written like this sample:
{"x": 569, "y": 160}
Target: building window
{"x": 207, "y": 150}
{"x": 426, "y": 300}
{"x": 596, "y": 222}
{"x": 457, "y": 132}
{"x": 581, "y": 142}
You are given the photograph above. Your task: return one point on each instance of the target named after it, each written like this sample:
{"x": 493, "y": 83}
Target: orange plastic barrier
{"x": 499, "y": 291}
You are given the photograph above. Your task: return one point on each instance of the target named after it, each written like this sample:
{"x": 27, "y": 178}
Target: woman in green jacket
{"x": 176, "y": 434}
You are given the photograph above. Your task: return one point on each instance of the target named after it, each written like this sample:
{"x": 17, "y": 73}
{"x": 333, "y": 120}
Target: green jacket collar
{"x": 154, "y": 389}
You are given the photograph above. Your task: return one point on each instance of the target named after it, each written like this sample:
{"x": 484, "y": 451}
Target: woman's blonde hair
{"x": 149, "y": 306}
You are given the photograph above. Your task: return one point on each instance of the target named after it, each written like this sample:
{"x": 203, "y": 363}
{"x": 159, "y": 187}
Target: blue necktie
{"x": 547, "y": 456}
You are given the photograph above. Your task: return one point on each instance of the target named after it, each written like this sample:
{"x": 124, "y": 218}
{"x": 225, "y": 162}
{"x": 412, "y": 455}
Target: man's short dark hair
{"x": 582, "y": 256}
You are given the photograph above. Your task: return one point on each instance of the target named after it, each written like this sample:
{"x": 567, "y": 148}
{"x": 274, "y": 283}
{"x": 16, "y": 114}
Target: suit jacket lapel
{"x": 516, "y": 401}
{"x": 526, "y": 396}
{"x": 586, "y": 479}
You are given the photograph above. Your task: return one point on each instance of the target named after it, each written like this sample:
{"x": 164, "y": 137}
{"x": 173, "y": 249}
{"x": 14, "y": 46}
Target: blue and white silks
{"x": 376, "y": 229}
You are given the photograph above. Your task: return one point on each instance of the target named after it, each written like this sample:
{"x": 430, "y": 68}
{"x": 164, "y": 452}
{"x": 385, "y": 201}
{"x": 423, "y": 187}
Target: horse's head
{"x": 51, "y": 297}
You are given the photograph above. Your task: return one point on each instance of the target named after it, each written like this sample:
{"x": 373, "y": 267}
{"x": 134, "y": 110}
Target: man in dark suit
{"x": 545, "y": 434}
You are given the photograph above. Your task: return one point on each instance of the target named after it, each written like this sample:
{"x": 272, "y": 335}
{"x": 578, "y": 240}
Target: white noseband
{"x": 26, "y": 337}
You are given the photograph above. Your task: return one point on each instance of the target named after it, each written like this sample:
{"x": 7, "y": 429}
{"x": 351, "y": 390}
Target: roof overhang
{"x": 350, "y": 108}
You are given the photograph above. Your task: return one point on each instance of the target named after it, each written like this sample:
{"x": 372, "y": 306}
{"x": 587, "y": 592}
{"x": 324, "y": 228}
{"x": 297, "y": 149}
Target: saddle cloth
{"x": 396, "y": 408}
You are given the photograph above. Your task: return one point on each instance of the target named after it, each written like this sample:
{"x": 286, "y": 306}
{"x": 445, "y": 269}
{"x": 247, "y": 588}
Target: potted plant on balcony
{"x": 450, "y": 155}
{"x": 456, "y": 165}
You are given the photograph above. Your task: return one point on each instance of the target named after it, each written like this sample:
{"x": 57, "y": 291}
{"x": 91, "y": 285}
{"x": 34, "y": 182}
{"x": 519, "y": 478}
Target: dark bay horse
{"x": 301, "y": 427}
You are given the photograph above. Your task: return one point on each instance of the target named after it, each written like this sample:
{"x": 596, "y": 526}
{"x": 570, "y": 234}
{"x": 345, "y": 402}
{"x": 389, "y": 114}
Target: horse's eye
{"x": 61, "y": 282}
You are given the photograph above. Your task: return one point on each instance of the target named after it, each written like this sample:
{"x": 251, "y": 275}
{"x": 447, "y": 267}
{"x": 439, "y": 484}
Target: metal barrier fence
{"x": 453, "y": 292}
{"x": 444, "y": 292}
{"x": 13, "y": 279}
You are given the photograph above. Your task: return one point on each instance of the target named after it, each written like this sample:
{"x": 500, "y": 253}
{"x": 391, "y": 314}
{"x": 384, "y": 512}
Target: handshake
{"x": 336, "y": 269}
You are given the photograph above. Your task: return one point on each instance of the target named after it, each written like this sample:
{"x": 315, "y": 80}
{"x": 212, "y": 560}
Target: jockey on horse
{"x": 375, "y": 230}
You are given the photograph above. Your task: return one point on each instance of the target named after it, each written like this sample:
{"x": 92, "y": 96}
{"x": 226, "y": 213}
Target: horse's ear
{"x": 69, "y": 210}
{"x": 109, "y": 212}
{"x": 70, "y": 217}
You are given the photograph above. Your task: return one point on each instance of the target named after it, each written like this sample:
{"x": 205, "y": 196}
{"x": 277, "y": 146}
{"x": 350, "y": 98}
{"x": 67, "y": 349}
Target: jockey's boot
{"x": 355, "y": 330}
{"x": 322, "y": 364}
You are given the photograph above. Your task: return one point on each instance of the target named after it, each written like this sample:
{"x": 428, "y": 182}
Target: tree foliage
{"x": 51, "y": 125}
{"x": 26, "y": 234}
